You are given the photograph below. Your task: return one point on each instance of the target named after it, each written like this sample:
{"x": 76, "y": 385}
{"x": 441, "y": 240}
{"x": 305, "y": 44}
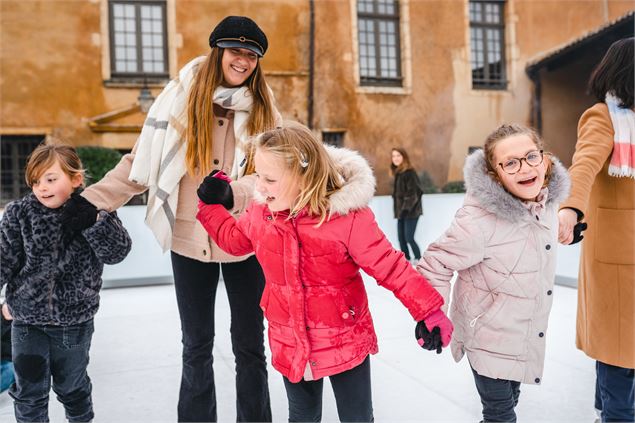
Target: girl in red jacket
{"x": 312, "y": 230}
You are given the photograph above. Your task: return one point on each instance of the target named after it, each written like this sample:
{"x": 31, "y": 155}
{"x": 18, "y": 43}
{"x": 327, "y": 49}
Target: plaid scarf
{"x": 159, "y": 162}
{"x": 623, "y": 158}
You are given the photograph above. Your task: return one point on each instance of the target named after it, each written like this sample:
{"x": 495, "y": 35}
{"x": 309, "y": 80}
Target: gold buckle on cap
{"x": 242, "y": 39}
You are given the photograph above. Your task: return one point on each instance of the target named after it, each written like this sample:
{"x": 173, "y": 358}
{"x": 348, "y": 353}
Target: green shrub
{"x": 427, "y": 184}
{"x": 97, "y": 161}
{"x": 454, "y": 187}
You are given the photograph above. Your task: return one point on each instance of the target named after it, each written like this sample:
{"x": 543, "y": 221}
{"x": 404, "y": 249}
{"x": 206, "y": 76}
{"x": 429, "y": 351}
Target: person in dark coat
{"x": 407, "y": 206}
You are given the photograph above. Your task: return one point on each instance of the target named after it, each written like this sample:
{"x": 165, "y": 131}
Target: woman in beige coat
{"x": 198, "y": 124}
{"x": 603, "y": 194}
{"x": 502, "y": 243}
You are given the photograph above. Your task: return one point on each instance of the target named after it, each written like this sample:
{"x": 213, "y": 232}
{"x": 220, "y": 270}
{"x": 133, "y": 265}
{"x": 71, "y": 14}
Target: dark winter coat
{"x": 51, "y": 278}
{"x": 314, "y": 299}
{"x": 406, "y": 195}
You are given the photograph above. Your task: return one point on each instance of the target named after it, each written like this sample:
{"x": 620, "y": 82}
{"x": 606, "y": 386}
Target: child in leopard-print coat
{"x": 52, "y": 270}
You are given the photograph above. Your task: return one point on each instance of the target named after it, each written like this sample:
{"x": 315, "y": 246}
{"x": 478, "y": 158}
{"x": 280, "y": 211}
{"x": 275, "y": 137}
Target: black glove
{"x": 577, "y": 232}
{"x": 215, "y": 190}
{"x": 429, "y": 340}
{"x": 78, "y": 214}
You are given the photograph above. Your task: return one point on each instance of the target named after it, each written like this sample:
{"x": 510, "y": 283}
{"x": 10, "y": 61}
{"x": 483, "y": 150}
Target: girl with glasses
{"x": 502, "y": 243}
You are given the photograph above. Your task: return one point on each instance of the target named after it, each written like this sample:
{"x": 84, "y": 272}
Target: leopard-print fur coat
{"x": 54, "y": 278}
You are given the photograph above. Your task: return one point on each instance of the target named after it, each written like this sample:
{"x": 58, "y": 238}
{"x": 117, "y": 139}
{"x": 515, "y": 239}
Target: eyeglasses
{"x": 512, "y": 166}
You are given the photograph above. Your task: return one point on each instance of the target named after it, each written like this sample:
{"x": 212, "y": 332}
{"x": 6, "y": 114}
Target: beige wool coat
{"x": 189, "y": 238}
{"x": 606, "y": 316}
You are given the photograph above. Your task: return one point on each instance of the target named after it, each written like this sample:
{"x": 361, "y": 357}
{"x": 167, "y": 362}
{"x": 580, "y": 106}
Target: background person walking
{"x": 406, "y": 196}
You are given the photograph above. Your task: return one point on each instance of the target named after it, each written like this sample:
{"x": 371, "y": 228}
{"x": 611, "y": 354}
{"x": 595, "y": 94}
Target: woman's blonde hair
{"x": 46, "y": 155}
{"x": 506, "y": 131}
{"x": 308, "y": 162}
{"x": 200, "y": 109}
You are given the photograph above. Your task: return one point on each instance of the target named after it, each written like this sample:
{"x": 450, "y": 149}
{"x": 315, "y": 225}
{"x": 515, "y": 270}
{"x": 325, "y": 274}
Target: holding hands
{"x": 434, "y": 332}
{"x": 570, "y": 230}
{"x": 215, "y": 189}
{"x": 78, "y": 214}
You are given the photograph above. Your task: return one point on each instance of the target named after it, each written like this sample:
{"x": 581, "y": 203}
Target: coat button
{"x": 313, "y": 363}
{"x": 541, "y": 334}
{"x": 537, "y": 218}
{"x": 221, "y": 123}
{"x": 549, "y": 292}
{"x": 204, "y": 252}
{"x": 268, "y": 217}
{"x": 537, "y": 380}
{"x": 216, "y": 161}
{"x": 308, "y": 328}
{"x": 548, "y": 247}
{"x": 345, "y": 315}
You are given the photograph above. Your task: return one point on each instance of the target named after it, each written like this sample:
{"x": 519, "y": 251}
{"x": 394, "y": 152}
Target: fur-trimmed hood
{"x": 358, "y": 181}
{"x": 492, "y": 197}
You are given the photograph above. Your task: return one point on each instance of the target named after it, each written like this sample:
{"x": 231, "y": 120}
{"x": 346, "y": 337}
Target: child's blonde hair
{"x": 505, "y": 131}
{"x": 46, "y": 155}
{"x": 308, "y": 162}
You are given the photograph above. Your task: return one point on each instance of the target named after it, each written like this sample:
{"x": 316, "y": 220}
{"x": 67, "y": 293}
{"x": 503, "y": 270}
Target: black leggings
{"x": 352, "y": 394}
{"x": 195, "y": 283}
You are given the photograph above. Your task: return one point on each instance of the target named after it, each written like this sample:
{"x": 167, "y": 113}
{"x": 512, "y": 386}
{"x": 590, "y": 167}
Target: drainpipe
{"x": 536, "y": 107}
{"x": 311, "y": 62}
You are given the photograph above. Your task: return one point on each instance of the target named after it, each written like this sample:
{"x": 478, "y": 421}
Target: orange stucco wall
{"x": 52, "y": 71}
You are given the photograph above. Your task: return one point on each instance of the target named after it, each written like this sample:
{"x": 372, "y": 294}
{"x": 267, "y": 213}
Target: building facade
{"x": 432, "y": 76}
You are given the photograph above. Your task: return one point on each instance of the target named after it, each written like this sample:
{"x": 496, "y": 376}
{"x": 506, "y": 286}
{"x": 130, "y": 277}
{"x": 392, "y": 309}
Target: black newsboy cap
{"x": 241, "y": 32}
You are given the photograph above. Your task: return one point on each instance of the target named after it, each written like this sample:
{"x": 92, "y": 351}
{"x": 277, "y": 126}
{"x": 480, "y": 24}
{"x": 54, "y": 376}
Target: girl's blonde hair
{"x": 405, "y": 164}
{"x": 46, "y": 155}
{"x": 506, "y": 131}
{"x": 308, "y": 162}
{"x": 200, "y": 104}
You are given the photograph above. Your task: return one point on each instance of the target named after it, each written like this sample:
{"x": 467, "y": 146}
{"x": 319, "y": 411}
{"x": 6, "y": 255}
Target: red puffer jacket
{"x": 314, "y": 297}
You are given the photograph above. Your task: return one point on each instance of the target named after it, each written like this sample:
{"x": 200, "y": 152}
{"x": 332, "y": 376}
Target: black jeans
{"x": 406, "y": 233}
{"x": 195, "y": 283}
{"x": 60, "y": 352}
{"x": 352, "y": 395}
{"x": 614, "y": 393}
{"x": 499, "y": 398}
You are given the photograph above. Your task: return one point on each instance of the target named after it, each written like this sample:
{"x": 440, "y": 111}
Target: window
{"x": 379, "y": 50}
{"x": 335, "y": 138}
{"x": 138, "y": 40}
{"x": 14, "y": 152}
{"x": 487, "y": 44}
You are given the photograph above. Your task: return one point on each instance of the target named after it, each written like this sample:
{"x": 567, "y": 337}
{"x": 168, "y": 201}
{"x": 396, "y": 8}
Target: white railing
{"x": 147, "y": 264}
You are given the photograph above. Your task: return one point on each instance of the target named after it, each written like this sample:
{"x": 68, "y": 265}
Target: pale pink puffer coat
{"x": 504, "y": 251}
